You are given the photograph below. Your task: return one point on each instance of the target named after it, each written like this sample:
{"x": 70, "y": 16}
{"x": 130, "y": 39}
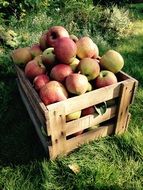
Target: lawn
{"x": 109, "y": 163}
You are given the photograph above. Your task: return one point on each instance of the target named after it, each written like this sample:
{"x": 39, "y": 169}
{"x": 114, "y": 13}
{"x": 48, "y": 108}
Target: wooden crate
{"x": 50, "y": 123}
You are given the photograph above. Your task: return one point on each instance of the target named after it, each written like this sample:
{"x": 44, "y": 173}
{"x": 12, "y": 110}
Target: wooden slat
{"x": 86, "y": 100}
{"x": 88, "y": 121}
{"x": 58, "y": 135}
{"x": 32, "y": 103}
{"x": 124, "y": 76}
{"x": 36, "y": 122}
{"x": 31, "y": 90}
{"x": 126, "y": 96}
{"x": 75, "y": 142}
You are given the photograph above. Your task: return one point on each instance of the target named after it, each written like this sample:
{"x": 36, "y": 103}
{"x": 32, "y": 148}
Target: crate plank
{"x": 77, "y": 141}
{"x": 31, "y": 90}
{"x": 37, "y": 110}
{"x": 36, "y": 122}
{"x": 88, "y": 121}
{"x": 86, "y": 100}
{"x": 126, "y": 97}
{"x": 58, "y": 136}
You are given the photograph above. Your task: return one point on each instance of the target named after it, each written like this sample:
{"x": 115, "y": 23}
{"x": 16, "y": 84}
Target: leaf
{"x": 101, "y": 108}
{"x": 74, "y": 167}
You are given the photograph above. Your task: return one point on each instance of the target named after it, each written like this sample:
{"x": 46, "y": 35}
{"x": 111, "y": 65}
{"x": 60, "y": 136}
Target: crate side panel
{"x": 75, "y": 142}
{"x": 125, "y": 101}
{"x": 86, "y": 100}
{"x": 35, "y": 120}
{"x": 89, "y": 121}
{"x": 58, "y": 135}
{"x": 30, "y": 89}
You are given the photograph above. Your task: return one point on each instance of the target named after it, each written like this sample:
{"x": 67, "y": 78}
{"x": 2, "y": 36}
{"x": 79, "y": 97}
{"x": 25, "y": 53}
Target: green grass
{"x": 109, "y": 163}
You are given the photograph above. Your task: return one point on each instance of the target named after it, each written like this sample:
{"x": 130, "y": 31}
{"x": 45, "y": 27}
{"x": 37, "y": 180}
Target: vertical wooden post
{"x": 57, "y": 131}
{"x": 123, "y": 112}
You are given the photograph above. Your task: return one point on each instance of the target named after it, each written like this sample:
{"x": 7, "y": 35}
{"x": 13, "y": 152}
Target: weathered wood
{"x": 88, "y": 121}
{"x": 86, "y": 100}
{"x": 126, "y": 96}
{"x": 34, "y": 118}
{"x": 58, "y": 135}
{"x": 88, "y": 136}
{"x": 32, "y": 103}
{"x": 31, "y": 90}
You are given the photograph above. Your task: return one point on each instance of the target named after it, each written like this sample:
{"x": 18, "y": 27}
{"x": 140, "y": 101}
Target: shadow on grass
{"x": 19, "y": 142}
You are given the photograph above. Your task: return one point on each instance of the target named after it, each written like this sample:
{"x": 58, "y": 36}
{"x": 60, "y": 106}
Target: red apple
{"x": 77, "y": 83}
{"x": 34, "y": 68}
{"x": 105, "y": 78}
{"x": 21, "y": 56}
{"x": 60, "y": 72}
{"x": 53, "y": 92}
{"x": 65, "y": 50}
{"x": 35, "y": 50}
{"x": 85, "y": 47}
{"x": 43, "y": 40}
{"x": 88, "y": 111}
{"x": 89, "y": 67}
{"x": 48, "y": 57}
{"x": 40, "y": 81}
{"x": 55, "y": 33}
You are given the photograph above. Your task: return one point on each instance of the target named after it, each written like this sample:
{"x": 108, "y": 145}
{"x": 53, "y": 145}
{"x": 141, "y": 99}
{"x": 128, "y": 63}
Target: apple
{"x": 21, "y": 56}
{"x": 53, "y": 92}
{"x": 88, "y": 111}
{"x": 85, "y": 47}
{"x": 54, "y": 33}
{"x": 74, "y": 64}
{"x": 48, "y": 57}
{"x": 43, "y": 40}
{"x": 35, "y": 50}
{"x": 74, "y": 38}
{"x": 77, "y": 83}
{"x": 34, "y": 68}
{"x": 73, "y": 116}
{"x": 112, "y": 61}
{"x": 105, "y": 78}
{"x": 40, "y": 81}
{"x": 65, "y": 50}
{"x": 60, "y": 72}
{"x": 89, "y": 67}
{"x": 89, "y": 87}
{"x": 96, "y": 52}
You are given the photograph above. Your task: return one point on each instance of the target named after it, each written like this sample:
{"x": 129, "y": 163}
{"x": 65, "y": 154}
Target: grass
{"x": 109, "y": 163}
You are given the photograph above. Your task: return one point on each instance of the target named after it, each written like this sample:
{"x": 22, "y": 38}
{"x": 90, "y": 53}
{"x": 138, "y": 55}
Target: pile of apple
{"x": 61, "y": 66}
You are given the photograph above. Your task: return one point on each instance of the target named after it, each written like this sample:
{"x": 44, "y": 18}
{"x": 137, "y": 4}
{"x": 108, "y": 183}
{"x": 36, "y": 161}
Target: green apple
{"x": 74, "y": 64}
{"x": 73, "y": 116}
{"x": 89, "y": 67}
{"x": 112, "y": 61}
{"x": 48, "y": 57}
